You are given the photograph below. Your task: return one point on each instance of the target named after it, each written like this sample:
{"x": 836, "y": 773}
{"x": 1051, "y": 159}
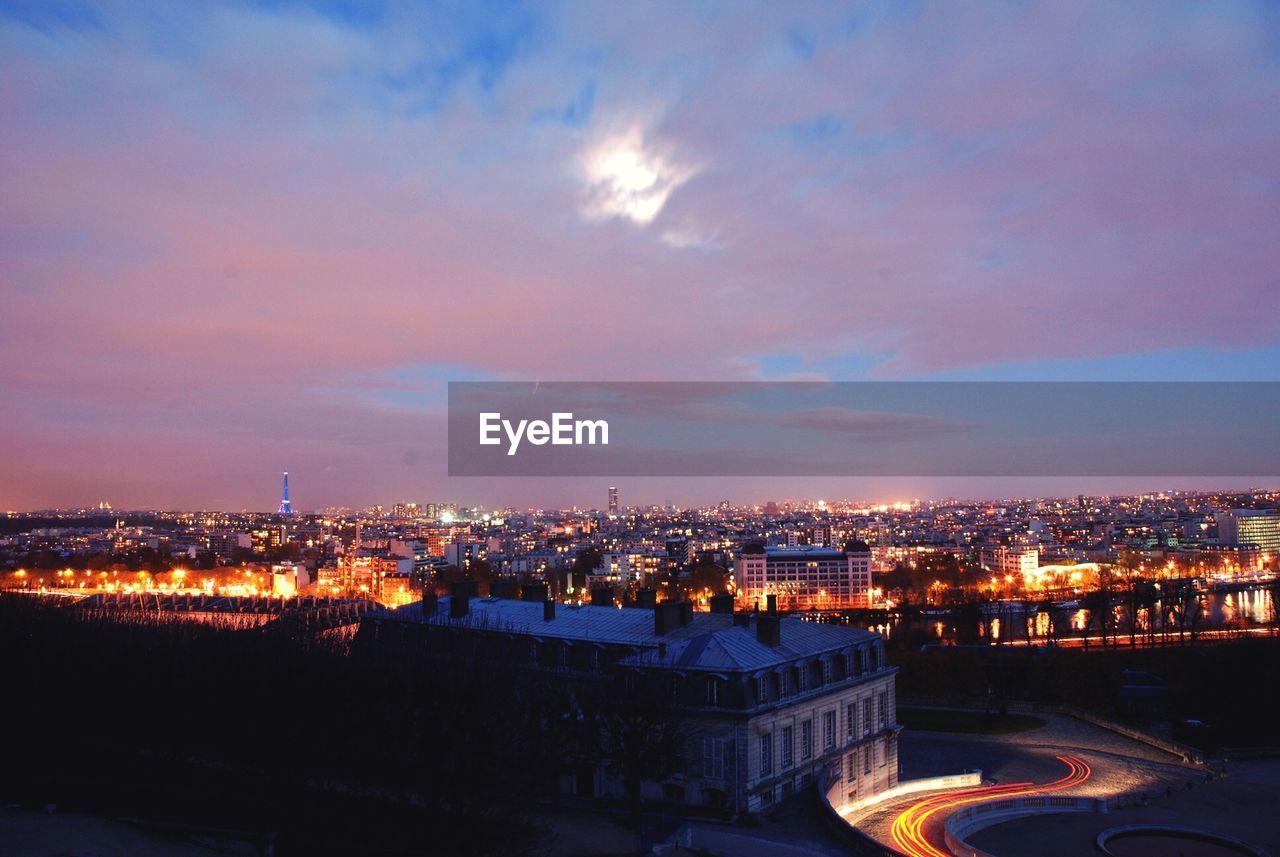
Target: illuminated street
{"x": 1064, "y": 755}
{"x": 917, "y": 831}
{"x": 1241, "y": 804}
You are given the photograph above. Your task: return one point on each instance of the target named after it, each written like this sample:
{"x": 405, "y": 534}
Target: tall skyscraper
{"x": 613, "y": 500}
{"x": 286, "y": 508}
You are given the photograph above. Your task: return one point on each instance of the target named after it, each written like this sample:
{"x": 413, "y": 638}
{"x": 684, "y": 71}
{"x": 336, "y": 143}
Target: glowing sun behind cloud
{"x": 630, "y": 179}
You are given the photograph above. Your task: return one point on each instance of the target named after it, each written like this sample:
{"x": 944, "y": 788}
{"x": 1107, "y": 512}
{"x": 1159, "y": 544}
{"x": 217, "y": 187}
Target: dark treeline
{"x": 265, "y": 732}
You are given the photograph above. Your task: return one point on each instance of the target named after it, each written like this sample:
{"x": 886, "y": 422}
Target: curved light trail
{"x": 908, "y": 828}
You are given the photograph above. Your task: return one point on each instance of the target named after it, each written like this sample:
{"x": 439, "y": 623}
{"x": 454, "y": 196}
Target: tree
{"x": 704, "y": 580}
{"x": 638, "y": 741}
{"x": 587, "y": 560}
{"x": 481, "y": 571}
{"x": 1098, "y": 603}
{"x": 445, "y": 578}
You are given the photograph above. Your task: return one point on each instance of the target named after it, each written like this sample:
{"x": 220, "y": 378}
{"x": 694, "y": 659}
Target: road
{"x": 1119, "y": 766}
{"x": 918, "y": 830}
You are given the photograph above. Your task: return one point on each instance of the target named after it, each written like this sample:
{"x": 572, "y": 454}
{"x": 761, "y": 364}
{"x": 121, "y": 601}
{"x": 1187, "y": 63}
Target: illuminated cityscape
{"x": 774, "y": 649}
{"x": 663, "y": 429}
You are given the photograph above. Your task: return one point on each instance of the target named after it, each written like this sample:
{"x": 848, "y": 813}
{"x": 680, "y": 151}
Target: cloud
{"x": 233, "y": 210}
{"x": 630, "y": 178}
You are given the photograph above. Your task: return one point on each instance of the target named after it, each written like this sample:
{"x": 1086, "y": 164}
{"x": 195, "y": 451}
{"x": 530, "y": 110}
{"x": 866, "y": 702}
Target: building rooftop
{"x": 711, "y": 641}
{"x": 803, "y": 552}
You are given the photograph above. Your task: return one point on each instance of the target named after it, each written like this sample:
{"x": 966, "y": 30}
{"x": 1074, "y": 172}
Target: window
{"x": 828, "y": 730}
{"x": 762, "y": 689}
{"x": 802, "y": 683}
{"x": 851, "y": 767}
{"x": 713, "y": 691}
{"x": 827, "y": 671}
{"x": 766, "y": 754}
{"x": 784, "y": 686}
{"x": 851, "y": 720}
{"x": 788, "y": 747}
{"x": 866, "y": 716}
{"x": 806, "y": 740}
{"x": 713, "y": 758}
{"x": 881, "y": 755}
{"x": 866, "y": 760}
{"x": 882, "y": 703}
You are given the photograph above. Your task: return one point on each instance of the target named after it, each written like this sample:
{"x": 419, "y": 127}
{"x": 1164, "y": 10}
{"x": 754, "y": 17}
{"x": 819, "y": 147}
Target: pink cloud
{"x": 253, "y": 212}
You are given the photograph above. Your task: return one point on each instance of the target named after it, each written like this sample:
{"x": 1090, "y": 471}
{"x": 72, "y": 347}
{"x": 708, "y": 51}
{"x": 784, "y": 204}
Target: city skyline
{"x": 244, "y": 237}
{"x": 767, "y": 489}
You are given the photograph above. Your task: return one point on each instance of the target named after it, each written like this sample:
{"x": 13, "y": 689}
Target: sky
{"x": 238, "y": 238}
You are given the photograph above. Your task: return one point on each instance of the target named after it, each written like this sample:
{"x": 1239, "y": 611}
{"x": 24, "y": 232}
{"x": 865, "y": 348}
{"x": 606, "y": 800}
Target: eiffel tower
{"x": 286, "y": 508}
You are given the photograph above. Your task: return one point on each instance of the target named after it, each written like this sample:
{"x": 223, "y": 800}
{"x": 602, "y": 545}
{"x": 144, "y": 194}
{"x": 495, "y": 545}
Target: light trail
{"x": 908, "y": 833}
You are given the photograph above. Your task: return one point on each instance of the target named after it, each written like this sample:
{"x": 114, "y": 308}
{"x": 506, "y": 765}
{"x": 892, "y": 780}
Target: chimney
{"x": 686, "y": 613}
{"x": 602, "y": 597}
{"x": 722, "y": 604}
{"x": 742, "y": 619}
{"x": 460, "y": 603}
{"x": 666, "y": 616}
{"x": 459, "y": 606}
{"x": 769, "y": 629}
{"x": 647, "y": 598}
{"x": 534, "y": 592}
{"x": 548, "y": 610}
{"x": 503, "y": 589}
{"x": 772, "y": 601}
